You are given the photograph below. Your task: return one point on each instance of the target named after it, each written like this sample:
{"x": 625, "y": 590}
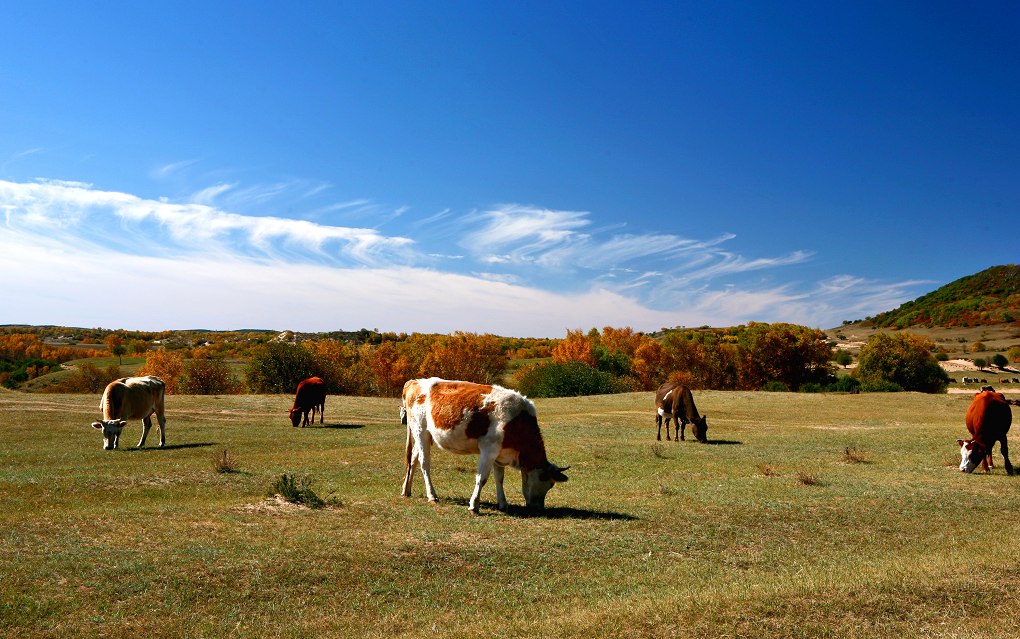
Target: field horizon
{"x": 808, "y": 515}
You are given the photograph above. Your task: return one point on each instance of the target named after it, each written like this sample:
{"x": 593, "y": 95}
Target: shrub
{"x": 224, "y": 462}
{"x": 900, "y": 361}
{"x": 853, "y": 455}
{"x": 812, "y": 387}
{"x": 999, "y": 360}
{"x": 880, "y": 386}
{"x": 208, "y": 377}
{"x": 278, "y": 367}
{"x": 87, "y": 378}
{"x": 296, "y": 491}
{"x": 845, "y": 384}
{"x": 567, "y": 379}
{"x": 776, "y": 386}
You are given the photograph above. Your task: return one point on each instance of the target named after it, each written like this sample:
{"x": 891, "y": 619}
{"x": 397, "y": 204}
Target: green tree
{"x": 208, "y": 376}
{"x": 902, "y": 359}
{"x": 999, "y": 360}
{"x": 843, "y": 358}
{"x": 787, "y": 353}
{"x": 278, "y": 367}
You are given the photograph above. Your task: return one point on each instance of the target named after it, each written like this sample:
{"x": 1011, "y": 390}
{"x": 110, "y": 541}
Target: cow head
{"x": 971, "y": 455}
{"x": 700, "y": 427}
{"x": 295, "y": 417}
{"x": 535, "y": 483}
{"x": 111, "y": 431}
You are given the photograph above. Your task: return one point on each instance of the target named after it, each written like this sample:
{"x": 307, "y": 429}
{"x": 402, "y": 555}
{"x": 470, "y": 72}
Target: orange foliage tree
{"x": 576, "y": 347}
{"x": 166, "y": 365}
{"x": 464, "y": 356}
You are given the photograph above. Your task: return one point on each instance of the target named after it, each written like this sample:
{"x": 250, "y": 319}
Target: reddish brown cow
{"x": 310, "y": 396}
{"x": 988, "y": 421}
{"x": 674, "y": 400}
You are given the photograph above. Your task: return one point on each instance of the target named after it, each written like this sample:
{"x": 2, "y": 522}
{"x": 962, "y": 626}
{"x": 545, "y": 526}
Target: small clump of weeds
{"x": 298, "y": 490}
{"x": 854, "y": 455}
{"x": 659, "y": 451}
{"x": 768, "y": 470}
{"x": 224, "y": 462}
{"x": 667, "y": 491}
{"x": 808, "y": 479}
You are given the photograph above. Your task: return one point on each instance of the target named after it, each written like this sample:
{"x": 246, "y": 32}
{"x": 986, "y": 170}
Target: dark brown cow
{"x": 988, "y": 421}
{"x": 310, "y": 396}
{"x": 674, "y": 400}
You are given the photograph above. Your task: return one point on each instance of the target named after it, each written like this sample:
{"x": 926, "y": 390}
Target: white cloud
{"x": 78, "y": 249}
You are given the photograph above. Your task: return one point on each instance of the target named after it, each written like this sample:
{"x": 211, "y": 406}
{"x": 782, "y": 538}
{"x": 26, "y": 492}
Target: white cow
{"x": 497, "y": 424}
{"x": 131, "y": 398}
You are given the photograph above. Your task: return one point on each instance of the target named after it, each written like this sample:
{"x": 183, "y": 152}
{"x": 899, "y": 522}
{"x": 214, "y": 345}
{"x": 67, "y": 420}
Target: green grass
{"x": 647, "y": 539}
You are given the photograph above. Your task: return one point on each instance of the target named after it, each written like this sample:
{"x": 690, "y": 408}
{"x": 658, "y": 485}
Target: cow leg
{"x": 412, "y": 459}
{"x": 425, "y": 461}
{"x": 485, "y": 463}
{"x": 681, "y": 424}
{"x": 497, "y": 474}
{"x": 322, "y": 413}
{"x": 161, "y": 418}
{"x": 1004, "y": 447}
{"x": 146, "y": 425}
{"x": 658, "y": 424}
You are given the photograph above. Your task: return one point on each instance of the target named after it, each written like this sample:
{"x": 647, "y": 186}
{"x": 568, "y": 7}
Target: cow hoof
{"x": 473, "y": 511}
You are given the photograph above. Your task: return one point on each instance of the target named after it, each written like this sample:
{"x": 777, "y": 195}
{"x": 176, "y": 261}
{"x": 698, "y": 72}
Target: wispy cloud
{"x": 173, "y": 168}
{"x": 524, "y": 270}
{"x": 17, "y": 156}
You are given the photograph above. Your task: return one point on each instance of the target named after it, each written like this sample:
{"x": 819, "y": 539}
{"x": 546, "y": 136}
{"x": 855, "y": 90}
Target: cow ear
{"x": 122, "y": 422}
{"x": 97, "y": 425}
{"x": 960, "y": 442}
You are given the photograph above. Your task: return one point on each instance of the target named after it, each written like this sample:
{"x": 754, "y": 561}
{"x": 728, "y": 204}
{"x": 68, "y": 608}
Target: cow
{"x": 988, "y": 419}
{"x": 498, "y": 424}
{"x": 131, "y": 398}
{"x": 310, "y": 397}
{"x": 674, "y": 400}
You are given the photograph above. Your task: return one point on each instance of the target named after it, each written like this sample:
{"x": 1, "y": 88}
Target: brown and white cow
{"x": 674, "y": 400}
{"x": 131, "y": 398}
{"x": 988, "y": 421}
{"x": 498, "y": 424}
{"x": 310, "y": 396}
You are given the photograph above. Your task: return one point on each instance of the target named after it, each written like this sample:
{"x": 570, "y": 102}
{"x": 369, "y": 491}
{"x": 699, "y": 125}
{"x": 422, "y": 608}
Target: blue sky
{"x": 516, "y": 168}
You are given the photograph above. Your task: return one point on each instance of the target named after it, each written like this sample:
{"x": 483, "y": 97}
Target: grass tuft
{"x": 660, "y": 452}
{"x": 808, "y": 479}
{"x": 224, "y": 462}
{"x": 297, "y": 491}
{"x": 853, "y": 455}
{"x": 768, "y": 470}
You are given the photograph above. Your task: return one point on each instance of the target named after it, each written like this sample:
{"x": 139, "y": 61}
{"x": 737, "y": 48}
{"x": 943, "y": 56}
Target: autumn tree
{"x": 115, "y": 344}
{"x": 390, "y": 368}
{"x": 576, "y": 347}
{"x": 166, "y": 365}
{"x": 903, "y": 359}
{"x": 1013, "y": 354}
{"x": 341, "y": 366}
{"x": 465, "y": 356}
{"x": 787, "y": 353}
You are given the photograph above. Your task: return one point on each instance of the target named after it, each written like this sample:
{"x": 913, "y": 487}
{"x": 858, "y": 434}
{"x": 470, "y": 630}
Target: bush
{"x": 844, "y": 385}
{"x": 900, "y": 361}
{"x": 999, "y": 360}
{"x": 776, "y": 386}
{"x": 881, "y": 386}
{"x": 278, "y": 367}
{"x": 567, "y": 379}
{"x": 296, "y": 491}
{"x": 87, "y": 378}
{"x": 208, "y": 377}
{"x": 166, "y": 365}
{"x": 812, "y": 387}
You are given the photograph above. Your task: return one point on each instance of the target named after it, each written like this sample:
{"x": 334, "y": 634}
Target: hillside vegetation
{"x": 987, "y": 298}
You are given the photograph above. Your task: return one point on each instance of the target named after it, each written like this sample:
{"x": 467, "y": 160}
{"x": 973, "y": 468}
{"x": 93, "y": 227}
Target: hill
{"x": 988, "y": 298}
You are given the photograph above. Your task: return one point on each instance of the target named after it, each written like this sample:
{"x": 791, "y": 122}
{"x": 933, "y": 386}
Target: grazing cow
{"x": 988, "y": 420}
{"x": 131, "y": 398}
{"x": 310, "y": 397}
{"x": 674, "y": 400}
{"x": 497, "y": 423}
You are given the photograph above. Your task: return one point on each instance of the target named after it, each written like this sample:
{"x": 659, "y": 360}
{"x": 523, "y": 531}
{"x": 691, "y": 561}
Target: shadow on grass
{"x": 171, "y": 447}
{"x": 561, "y": 512}
{"x": 338, "y": 426}
{"x": 723, "y": 442}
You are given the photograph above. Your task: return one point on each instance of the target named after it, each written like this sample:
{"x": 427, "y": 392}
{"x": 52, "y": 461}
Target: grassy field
{"x": 773, "y": 530}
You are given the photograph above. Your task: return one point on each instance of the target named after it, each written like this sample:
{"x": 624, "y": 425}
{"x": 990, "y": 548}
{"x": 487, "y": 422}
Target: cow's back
{"x": 989, "y": 415}
{"x": 133, "y": 398}
{"x": 310, "y": 392}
